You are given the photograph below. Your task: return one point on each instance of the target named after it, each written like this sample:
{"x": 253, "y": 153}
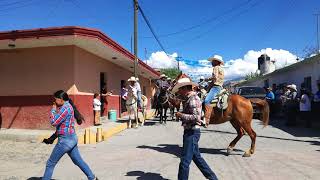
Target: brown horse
{"x": 174, "y": 104}
{"x": 239, "y": 112}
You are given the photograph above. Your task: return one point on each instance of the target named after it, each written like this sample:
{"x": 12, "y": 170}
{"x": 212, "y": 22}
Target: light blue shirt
{"x": 270, "y": 96}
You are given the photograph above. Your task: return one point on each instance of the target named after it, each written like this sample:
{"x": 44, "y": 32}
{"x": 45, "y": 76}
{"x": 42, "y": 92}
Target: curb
{"x": 91, "y": 136}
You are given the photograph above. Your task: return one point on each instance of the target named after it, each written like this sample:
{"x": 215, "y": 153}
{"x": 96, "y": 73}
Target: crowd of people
{"x": 287, "y": 101}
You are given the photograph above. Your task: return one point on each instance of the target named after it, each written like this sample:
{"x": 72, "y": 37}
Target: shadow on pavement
{"x": 298, "y": 131}
{"x": 146, "y": 176}
{"x": 36, "y": 178}
{"x": 305, "y": 134}
{"x": 176, "y": 150}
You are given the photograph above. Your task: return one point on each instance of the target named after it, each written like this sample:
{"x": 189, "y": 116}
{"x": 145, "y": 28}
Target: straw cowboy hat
{"x": 132, "y": 79}
{"x": 183, "y": 82}
{"x": 137, "y": 79}
{"x": 216, "y": 58}
{"x": 292, "y": 86}
{"x": 162, "y": 76}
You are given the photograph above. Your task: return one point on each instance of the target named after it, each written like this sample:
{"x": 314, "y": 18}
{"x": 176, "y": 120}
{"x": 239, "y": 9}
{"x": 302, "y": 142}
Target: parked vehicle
{"x": 250, "y": 92}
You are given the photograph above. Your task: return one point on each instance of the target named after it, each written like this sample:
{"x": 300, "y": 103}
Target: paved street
{"x": 152, "y": 152}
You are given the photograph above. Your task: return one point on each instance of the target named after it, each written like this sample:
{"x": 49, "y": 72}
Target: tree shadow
{"x": 145, "y": 176}
{"x": 176, "y": 150}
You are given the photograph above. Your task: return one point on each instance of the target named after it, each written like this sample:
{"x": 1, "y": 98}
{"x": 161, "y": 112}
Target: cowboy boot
{"x": 207, "y": 114}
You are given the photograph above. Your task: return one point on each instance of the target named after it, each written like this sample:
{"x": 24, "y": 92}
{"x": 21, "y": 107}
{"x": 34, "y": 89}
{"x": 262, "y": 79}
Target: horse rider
{"x": 216, "y": 83}
{"x": 131, "y": 87}
{"x": 191, "y": 121}
{"x": 161, "y": 84}
{"x": 138, "y": 88}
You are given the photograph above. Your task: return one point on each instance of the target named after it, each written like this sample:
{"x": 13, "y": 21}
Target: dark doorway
{"x": 103, "y": 90}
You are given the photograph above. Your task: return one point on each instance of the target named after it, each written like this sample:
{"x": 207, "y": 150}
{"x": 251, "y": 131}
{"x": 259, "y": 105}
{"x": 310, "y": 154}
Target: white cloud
{"x": 234, "y": 68}
{"x": 161, "y": 60}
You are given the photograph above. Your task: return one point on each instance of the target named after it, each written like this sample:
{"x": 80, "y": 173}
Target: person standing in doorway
{"x": 96, "y": 109}
{"x": 124, "y": 94}
{"x": 63, "y": 116}
{"x": 191, "y": 121}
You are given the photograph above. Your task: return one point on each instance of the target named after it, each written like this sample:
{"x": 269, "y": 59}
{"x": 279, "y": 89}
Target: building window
{"x": 144, "y": 91}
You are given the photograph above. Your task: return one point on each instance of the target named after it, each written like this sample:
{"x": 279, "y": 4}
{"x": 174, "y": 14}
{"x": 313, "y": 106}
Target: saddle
{"x": 221, "y": 100}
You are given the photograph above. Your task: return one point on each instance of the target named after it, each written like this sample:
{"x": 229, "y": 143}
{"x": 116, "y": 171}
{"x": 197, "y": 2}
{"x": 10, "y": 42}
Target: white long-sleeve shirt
{"x": 96, "y": 104}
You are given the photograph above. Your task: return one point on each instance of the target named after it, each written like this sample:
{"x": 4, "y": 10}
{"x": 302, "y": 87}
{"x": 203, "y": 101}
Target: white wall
{"x": 293, "y": 76}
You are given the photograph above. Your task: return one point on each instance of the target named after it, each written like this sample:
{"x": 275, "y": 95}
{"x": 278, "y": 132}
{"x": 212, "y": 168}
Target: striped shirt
{"x": 63, "y": 119}
{"x": 191, "y": 114}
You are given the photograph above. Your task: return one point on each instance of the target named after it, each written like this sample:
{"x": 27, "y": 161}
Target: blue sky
{"x": 229, "y": 28}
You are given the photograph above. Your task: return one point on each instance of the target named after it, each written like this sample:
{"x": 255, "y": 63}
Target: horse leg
{"x": 247, "y": 127}
{"x": 165, "y": 115}
{"x": 240, "y": 133}
{"x": 129, "y": 112}
{"x": 160, "y": 110}
{"x": 136, "y": 116}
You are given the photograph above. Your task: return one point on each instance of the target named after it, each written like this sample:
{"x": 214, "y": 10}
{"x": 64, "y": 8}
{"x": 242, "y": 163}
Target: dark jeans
{"x": 66, "y": 144}
{"x": 191, "y": 152}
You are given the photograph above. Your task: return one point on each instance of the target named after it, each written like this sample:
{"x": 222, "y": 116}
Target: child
{"x": 96, "y": 109}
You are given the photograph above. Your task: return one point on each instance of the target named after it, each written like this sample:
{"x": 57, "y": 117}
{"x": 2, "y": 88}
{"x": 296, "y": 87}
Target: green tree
{"x": 170, "y": 72}
{"x": 252, "y": 75}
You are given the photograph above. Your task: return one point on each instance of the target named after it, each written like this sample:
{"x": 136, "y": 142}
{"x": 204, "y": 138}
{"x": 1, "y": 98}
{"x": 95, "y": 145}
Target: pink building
{"x": 35, "y": 63}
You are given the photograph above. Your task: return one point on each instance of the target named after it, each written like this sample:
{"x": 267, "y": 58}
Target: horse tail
{"x": 263, "y": 105}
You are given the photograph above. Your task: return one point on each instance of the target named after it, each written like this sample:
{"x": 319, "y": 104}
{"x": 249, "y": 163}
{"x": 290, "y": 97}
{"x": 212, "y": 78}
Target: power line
{"x": 151, "y": 29}
{"x": 18, "y": 7}
{"x": 228, "y": 11}
{"x": 221, "y": 23}
{"x": 14, "y": 3}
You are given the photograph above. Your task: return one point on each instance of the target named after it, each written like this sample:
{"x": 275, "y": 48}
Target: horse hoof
{"x": 229, "y": 150}
{"x": 246, "y": 154}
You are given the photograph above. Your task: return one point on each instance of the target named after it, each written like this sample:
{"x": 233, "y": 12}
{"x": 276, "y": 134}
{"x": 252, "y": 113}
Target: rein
{"x": 131, "y": 103}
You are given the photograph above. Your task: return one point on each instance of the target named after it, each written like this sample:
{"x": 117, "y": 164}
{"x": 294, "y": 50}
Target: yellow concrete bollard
{"x": 87, "y": 136}
{"x": 81, "y": 138}
{"x": 93, "y": 138}
{"x": 99, "y": 134}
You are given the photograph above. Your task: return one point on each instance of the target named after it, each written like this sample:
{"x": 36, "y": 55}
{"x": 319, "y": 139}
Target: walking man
{"x": 191, "y": 121}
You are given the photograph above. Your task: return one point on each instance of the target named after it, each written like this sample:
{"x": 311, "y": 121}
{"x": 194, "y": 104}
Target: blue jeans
{"x": 139, "y": 99}
{"x": 66, "y": 144}
{"x": 214, "y": 91}
{"x": 191, "y": 152}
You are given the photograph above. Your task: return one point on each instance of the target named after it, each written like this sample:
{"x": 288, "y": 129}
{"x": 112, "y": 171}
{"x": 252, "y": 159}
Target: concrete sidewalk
{"x": 85, "y": 136}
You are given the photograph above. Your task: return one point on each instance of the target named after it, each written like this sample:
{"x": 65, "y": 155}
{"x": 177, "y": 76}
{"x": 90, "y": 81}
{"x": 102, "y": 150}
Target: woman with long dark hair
{"x": 63, "y": 116}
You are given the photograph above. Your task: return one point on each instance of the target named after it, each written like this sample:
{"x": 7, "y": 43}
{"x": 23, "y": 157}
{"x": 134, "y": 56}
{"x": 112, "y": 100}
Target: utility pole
{"x": 318, "y": 45}
{"x": 178, "y": 59}
{"x": 136, "y": 8}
